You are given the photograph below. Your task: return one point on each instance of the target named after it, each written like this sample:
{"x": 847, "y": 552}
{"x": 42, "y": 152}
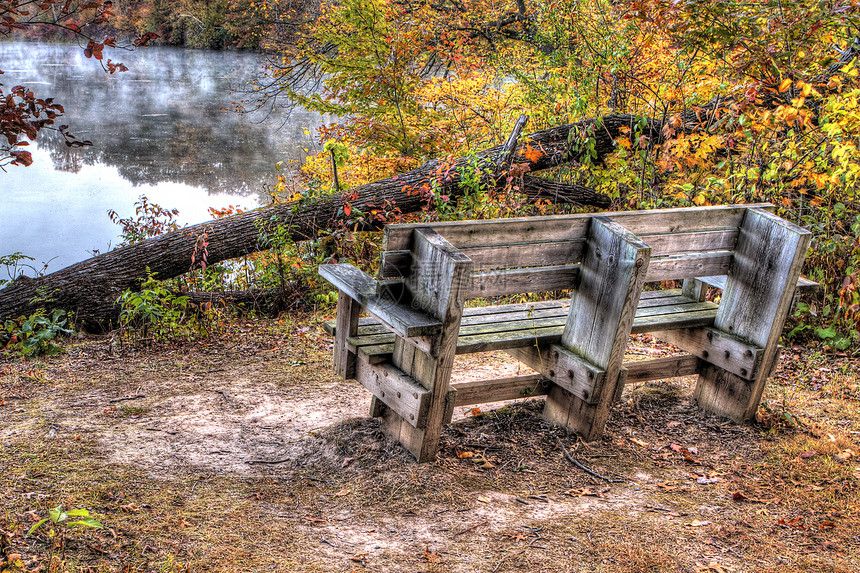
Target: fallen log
{"x": 90, "y": 288}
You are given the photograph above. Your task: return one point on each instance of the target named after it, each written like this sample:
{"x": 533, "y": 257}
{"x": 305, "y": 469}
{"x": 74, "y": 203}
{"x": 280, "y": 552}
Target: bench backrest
{"x": 540, "y": 254}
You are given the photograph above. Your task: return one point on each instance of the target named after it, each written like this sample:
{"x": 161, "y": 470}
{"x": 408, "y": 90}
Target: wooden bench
{"x": 404, "y": 350}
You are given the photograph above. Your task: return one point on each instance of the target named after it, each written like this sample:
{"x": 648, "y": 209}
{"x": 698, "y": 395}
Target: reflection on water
{"x": 160, "y": 129}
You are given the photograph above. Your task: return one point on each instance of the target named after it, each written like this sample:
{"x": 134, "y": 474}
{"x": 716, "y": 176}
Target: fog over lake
{"x": 161, "y": 130}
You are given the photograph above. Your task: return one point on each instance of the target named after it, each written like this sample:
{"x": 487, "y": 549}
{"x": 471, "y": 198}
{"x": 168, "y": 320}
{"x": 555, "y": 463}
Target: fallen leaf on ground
{"x": 359, "y": 558}
{"x": 697, "y": 523}
{"x": 313, "y": 519}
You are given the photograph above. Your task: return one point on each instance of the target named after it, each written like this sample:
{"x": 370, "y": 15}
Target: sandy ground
{"x": 255, "y": 427}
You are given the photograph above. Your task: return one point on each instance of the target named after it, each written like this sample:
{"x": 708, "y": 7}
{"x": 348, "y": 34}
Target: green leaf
{"x": 57, "y": 514}
{"x": 39, "y": 524}
{"x": 88, "y": 522}
{"x": 826, "y": 333}
{"x": 78, "y": 513}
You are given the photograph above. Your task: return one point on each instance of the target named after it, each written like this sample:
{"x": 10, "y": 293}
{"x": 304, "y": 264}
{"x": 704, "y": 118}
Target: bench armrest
{"x": 380, "y": 301}
{"x": 803, "y": 284}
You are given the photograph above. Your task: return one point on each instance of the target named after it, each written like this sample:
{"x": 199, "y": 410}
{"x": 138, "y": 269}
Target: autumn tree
{"x": 736, "y": 101}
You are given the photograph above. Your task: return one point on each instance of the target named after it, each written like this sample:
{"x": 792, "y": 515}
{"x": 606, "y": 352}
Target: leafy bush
{"x": 35, "y": 335}
{"x": 155, "y": 313}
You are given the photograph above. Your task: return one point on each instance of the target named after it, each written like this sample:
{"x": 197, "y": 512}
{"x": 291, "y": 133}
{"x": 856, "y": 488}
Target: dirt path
{"x": 246, "y": 454}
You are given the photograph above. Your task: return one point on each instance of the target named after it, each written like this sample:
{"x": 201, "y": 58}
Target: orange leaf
{"x": 786, "y": 83}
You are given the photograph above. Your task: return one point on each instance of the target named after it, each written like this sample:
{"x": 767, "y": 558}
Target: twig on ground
{"x": 479, "y": 524}
{"x": 135, "y": 397}
{"x": 270, "y": 462}
{"x": 585, "y": 468}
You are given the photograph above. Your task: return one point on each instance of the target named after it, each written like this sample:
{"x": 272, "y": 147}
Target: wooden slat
{"x": 688, "y": 266}
{"x": 570, "y": 227}
{"x": 520, "y": 281}
{"x": 803, "y": 284}
{"x": 661, "y": 368}
{"x": 396, "y": 390}
{"x": 507, "y": 256}
{"x": 499, "y": 330}
{"x": 361, "y": 287}
{"x": 494, "y": 231}
{"x": 678, "y": 243}
{"x": 672, "y": 321}
{"x": 483, "y": 391}
{"x": 719, "y": 348}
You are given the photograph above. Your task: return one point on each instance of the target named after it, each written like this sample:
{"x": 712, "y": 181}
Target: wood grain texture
{"x": 564, "y": 368}
{"x": 601, "y": 315}
{"x": 497, "y": 390}
{"x": 398, "y": 391}
{"x": 661, "y": 368}
{"x": 343, "y": 359}
{"x": 689, "y": 265}
{"x": 755, "y": 302}
{"x": 568, "y": 227}
{"x": 722, "y": 349}
{"x": 437, "y": 281}
{"x": 400, "y": 318}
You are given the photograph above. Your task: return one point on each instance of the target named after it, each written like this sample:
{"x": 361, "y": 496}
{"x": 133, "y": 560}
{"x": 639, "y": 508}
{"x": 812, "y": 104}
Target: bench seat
{"x": 508, "y": 326}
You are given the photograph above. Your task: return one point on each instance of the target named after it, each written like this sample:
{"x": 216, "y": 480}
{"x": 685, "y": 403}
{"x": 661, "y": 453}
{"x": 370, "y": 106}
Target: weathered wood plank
{"x": 483, "y": 391}
{"x": 520, "y": 281}
{"x": 397, "y": 390}
{"x": 722, "y": 349}
{"x": 803, "y": 284}
{"x": 695, "y": 289}
{"x": 660, "y": 368}
{"x": 569, "y": 227}
{"x": 437, "y": 283}
{"x": 343, "y": 359}
{"x": 564, "y": 368}
{"x": 507, "y": 256}
{"x": 688, "y": 266}
{"x": 601, "y": 315}
{"x": 682, "y": 242}
{"x": 494, "y": 332}
{"x": 755, "y": 302}
{"x": 361, "y": 287}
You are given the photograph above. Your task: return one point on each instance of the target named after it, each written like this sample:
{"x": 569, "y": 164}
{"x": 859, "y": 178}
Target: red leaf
{"x": 22, "y": 158}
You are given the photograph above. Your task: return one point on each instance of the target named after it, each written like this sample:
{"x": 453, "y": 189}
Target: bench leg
{"x": 598, "y": 325}
{"x": 347, "y": 325}
{"x": 438, "y": 286}
{"x": 757, "y": 298}
{"x": 423, "y": 443}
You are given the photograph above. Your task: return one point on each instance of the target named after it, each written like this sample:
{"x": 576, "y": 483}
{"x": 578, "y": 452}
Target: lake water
{"x": 158, "y": 130}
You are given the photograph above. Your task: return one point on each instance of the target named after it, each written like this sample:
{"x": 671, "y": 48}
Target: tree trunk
{"x": 90, "y": 288}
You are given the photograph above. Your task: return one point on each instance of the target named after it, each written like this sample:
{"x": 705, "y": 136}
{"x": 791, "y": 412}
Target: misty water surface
{"x": 158, "y": 130}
